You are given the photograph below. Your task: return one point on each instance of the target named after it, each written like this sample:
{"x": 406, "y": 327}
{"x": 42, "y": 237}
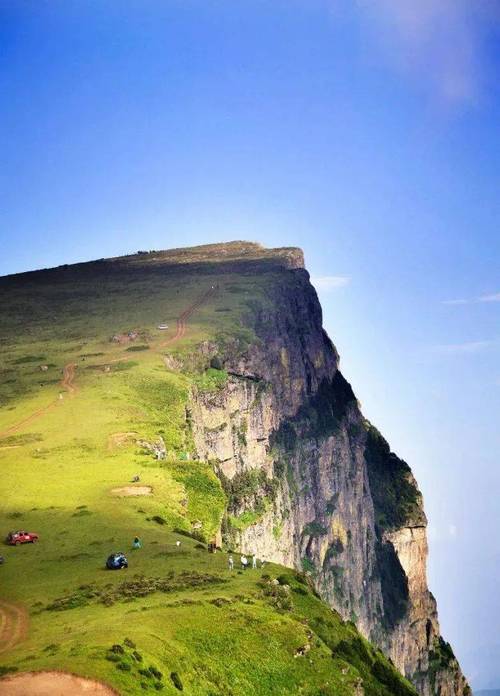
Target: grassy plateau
{"x": 78, "y": 414}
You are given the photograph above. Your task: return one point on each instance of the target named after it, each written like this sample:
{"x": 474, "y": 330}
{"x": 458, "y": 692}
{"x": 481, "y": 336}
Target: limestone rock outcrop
{"x": 312, "y": 485}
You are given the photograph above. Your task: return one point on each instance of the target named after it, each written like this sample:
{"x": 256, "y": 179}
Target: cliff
{"x": 312, "y": 485}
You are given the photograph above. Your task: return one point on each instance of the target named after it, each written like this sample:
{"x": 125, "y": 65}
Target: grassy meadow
{"x": 178, "y": 619}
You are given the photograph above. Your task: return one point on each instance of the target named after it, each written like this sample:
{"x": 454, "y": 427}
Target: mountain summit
{"x": 191, "y": 399}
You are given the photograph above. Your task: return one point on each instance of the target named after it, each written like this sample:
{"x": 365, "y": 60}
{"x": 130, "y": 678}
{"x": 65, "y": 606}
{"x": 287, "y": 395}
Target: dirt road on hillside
{"x": 68, "y": 378}
{"x": 13, "y": 625}
{"x": 66, "y": 383}
{"x": 69, "y": 370}
{"x": 52, "y": 684}
{"x": 182, "y": 319}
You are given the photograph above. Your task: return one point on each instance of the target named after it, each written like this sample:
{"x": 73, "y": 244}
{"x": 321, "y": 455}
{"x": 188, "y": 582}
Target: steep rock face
{"x": 314, "y": 486}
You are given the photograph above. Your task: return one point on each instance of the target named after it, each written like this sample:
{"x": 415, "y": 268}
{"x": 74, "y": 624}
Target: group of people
{"x": 245, "y": 563}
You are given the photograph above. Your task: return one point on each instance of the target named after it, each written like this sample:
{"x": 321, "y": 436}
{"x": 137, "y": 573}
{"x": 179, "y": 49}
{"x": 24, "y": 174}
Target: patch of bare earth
{"x": 13, "y": 625}
{"x": 52, "y": 684}
{"x": 127, "y": 491}
{"x": 120, "y": 439}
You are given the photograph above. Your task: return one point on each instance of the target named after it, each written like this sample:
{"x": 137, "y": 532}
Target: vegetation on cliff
{"x": 80, "y": 420}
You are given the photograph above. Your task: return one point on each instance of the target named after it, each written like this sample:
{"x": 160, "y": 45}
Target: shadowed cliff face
{"x": 311, "y": 484}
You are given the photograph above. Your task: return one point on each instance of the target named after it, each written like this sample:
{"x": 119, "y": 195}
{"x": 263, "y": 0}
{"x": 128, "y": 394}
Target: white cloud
{"x": 494, "y": 297}
{"x": 490, "y": 298}
{"x": 438, "y": 41}
{"x": 458, "y": 348}
{"x": 330, "y": 282}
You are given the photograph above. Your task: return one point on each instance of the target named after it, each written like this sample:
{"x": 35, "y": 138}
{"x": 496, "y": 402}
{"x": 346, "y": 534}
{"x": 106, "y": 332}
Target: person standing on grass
{"x": 254, "y": 561}
{"x": 231, "y": 564}
{"x": 137, "y": 543}
{"x": 244, "y": 562}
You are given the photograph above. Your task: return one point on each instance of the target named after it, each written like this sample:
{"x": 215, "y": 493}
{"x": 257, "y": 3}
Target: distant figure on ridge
{"x": 231, "y": 563}
{"x": 254, "y": 561}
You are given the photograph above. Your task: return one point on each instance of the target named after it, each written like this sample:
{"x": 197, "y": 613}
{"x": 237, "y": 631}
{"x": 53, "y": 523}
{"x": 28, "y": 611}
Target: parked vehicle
{"x": 16, "y": 538}
{"x": 117, "y": 561}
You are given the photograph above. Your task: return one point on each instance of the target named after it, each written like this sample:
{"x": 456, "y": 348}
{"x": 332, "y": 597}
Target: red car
{"x": 16, "y": 538}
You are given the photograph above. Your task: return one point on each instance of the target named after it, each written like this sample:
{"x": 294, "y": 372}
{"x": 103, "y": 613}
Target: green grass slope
{"x": 177, "y": 619}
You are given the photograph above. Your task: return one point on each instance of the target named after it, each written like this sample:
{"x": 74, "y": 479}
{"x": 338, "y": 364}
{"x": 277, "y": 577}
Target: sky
{"x": 366, "y": 133}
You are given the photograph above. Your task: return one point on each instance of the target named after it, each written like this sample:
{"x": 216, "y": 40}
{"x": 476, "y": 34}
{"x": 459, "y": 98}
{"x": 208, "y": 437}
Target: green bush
{"x": 113, "y": 658}
{"x": 159, "y": 520}
{"x": 308, "y": 566}
{"x": 124, "y": 666}
{"x": 314, "y": 529}
{"x": 176, "y": 681}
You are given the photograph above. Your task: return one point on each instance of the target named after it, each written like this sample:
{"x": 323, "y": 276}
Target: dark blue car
{"x": 116, "y": 561}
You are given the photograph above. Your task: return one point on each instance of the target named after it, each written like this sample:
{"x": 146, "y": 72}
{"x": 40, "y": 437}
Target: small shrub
{"x": 176, "y": 681}
{"x": 113, "y": 658}
{"x": 315, "y": 529}
{"x": 117, "y": 649}
{"x": 308, "y": 566}
{"x": 137, "y": 656}
{"x": 158, "y": 519}
{"x": 129, "y": 643}
{"x": 155, "y": 672}
{"x": 220, "y": 601}
{"x": 278, "y": 596}
{"x": 283, "y": 579}
{"x": 124, "y": 666}
{"x": 53, "y": 647}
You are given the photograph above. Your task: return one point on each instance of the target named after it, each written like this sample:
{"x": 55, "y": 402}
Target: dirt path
{"x": 13, "y": 625}
{"x": 52, "y": 684}
{"x": 66, "y": 383}
{"x": 182, "y": 319}
{"x": 68, "y": 378}
{"x": 69, "y": 370}
{"x": 14, "y": 428}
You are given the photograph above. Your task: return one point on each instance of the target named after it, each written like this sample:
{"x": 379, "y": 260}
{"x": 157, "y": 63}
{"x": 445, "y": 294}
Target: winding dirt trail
{"x": 14, "y": 619}
{"x": 69, "y": 370}
{"x": 13, "y": 625}
{"x": 66, "y": 383}
{"x": 69, "y": 378}
{"x": 182, "y": 319}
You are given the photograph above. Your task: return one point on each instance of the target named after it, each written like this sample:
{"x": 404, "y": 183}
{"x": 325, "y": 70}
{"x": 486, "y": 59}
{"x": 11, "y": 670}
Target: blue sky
{"x": 366, "y": 133}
